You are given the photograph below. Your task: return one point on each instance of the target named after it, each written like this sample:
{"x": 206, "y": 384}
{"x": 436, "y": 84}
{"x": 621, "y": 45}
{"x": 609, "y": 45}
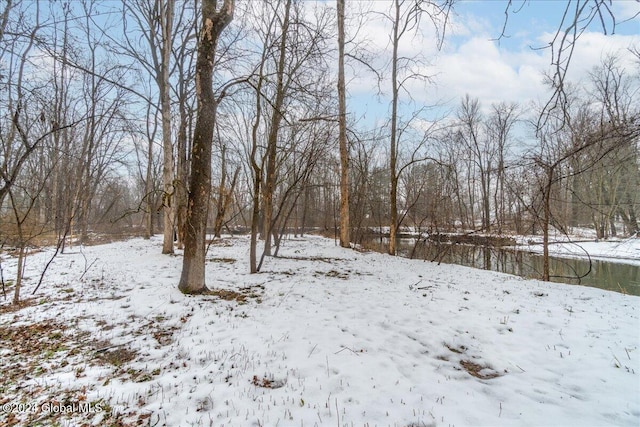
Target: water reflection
{"x": 613, "y": 276}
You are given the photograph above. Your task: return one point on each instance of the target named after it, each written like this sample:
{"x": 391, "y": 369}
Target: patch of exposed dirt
{"x": 220, "y": 242}
{"x": 222, "y": 260}
{"x": 332, "y": 273}
{"x": 328, "y": 260}
{"x": 479, "y": 371}
{"x": 265, "y": 382}
{"x": 459, "y": 350}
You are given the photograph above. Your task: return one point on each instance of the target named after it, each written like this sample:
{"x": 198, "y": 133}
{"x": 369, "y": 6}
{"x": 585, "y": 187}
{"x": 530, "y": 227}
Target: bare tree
{"x": 18, "y": 145}
{"x": 214, "y": 21}
{"x": 577, "y": 17}
{"x": 560, "y": 144}
{"x": 154, "y": 21}
{"x": 342, "y": 135}
{"x": 481, "y": 152}
{"x": 499, "y": 126}
{"x": 274, "y": 129}
{"x": 405, "y": 17}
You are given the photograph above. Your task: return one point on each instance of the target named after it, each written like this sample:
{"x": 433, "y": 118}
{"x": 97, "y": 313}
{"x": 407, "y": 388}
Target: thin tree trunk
{"x": 272, "y": 140}
{"x": 342, "y": 120}
{"x": 166, "y": 16}
{"x": 220, "y": 206}
{"x": 546, "y": 221}
{"x": 257, "y": 173}
{"x": 225, "y": 198}
{"x": 148, "y": 190}
{"x": 393, "y": 193}
{"x": 18, "y": 286}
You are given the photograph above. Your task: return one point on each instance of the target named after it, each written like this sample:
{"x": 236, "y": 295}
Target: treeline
{"x": 97, "y": 116}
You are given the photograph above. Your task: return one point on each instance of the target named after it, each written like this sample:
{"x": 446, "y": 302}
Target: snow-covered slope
{"x": 323, "y": 336}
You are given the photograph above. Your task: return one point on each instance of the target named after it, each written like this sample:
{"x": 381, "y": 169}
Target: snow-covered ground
{"x": 324, "y": 336}
{"x": 615, "y": 250}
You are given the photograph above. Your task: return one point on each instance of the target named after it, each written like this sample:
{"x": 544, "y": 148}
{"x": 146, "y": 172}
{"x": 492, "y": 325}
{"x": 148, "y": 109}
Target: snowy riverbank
{"x": 323, "y": 336}
{"x": 615, "y": 250}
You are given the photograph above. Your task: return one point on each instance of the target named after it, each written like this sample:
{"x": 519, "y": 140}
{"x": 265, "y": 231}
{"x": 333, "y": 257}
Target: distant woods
{"x": 98, "y": 108}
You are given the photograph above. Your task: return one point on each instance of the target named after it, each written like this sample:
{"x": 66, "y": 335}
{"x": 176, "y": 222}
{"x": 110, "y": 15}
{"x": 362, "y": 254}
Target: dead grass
{"x": 117, "y": 356}
{"x": 241, "y": 296}
{"x": 12, "y": 308}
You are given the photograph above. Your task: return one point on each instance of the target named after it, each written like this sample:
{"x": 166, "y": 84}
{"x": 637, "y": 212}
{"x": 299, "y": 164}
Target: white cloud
{"x": 482, "y": 69}
{"x": 472, "y": 63}
{"x": 627, "y": 10}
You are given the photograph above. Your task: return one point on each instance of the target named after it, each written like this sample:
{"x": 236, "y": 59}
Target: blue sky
{"x": 471, "y": 62}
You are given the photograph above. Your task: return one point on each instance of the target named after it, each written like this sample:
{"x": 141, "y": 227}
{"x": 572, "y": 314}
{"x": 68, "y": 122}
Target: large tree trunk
{"x": 182, "y": 175}
{"x": 192, "y": 280}
{"x": 342, "y": 120}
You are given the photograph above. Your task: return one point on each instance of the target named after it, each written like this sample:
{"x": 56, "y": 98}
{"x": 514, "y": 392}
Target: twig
{"x": 4, "y": 291}
{"x": 327, "y": 357}
{"x": 55, "y": 254}
{"x": 337, "y": 412}
{"x": 87, "y": 268}
{"x": 312, "y": 350}
{"x": 347, "y": 348}
{"x": 102, "y": 350}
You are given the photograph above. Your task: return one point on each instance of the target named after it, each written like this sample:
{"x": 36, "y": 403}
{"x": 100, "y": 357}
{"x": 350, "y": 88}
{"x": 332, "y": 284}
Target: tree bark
{"x": 272, "y": 140}
{"x": 342, "y": 123}
{"x": 546, "y": 221}
{"x": 393, "y": 193}
{"x": 148, "y": 190}
{"x": 166, "y": 16}
{"x": 192, "y": 280}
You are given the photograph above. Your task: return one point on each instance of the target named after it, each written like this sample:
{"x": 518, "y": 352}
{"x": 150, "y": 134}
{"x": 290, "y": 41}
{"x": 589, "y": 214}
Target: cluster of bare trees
{"x": 493, "y": 170}
{"x": 193, "y": 119}
{"x": 62, "y": 126}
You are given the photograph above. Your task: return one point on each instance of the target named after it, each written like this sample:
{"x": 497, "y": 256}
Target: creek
{"x": 608, "y": 275}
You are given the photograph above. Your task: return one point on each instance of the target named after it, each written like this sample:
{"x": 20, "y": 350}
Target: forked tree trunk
{"x": 192, "y": 280}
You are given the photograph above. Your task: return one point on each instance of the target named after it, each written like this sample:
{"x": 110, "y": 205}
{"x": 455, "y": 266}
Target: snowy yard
{"x": 323, "y": 337}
